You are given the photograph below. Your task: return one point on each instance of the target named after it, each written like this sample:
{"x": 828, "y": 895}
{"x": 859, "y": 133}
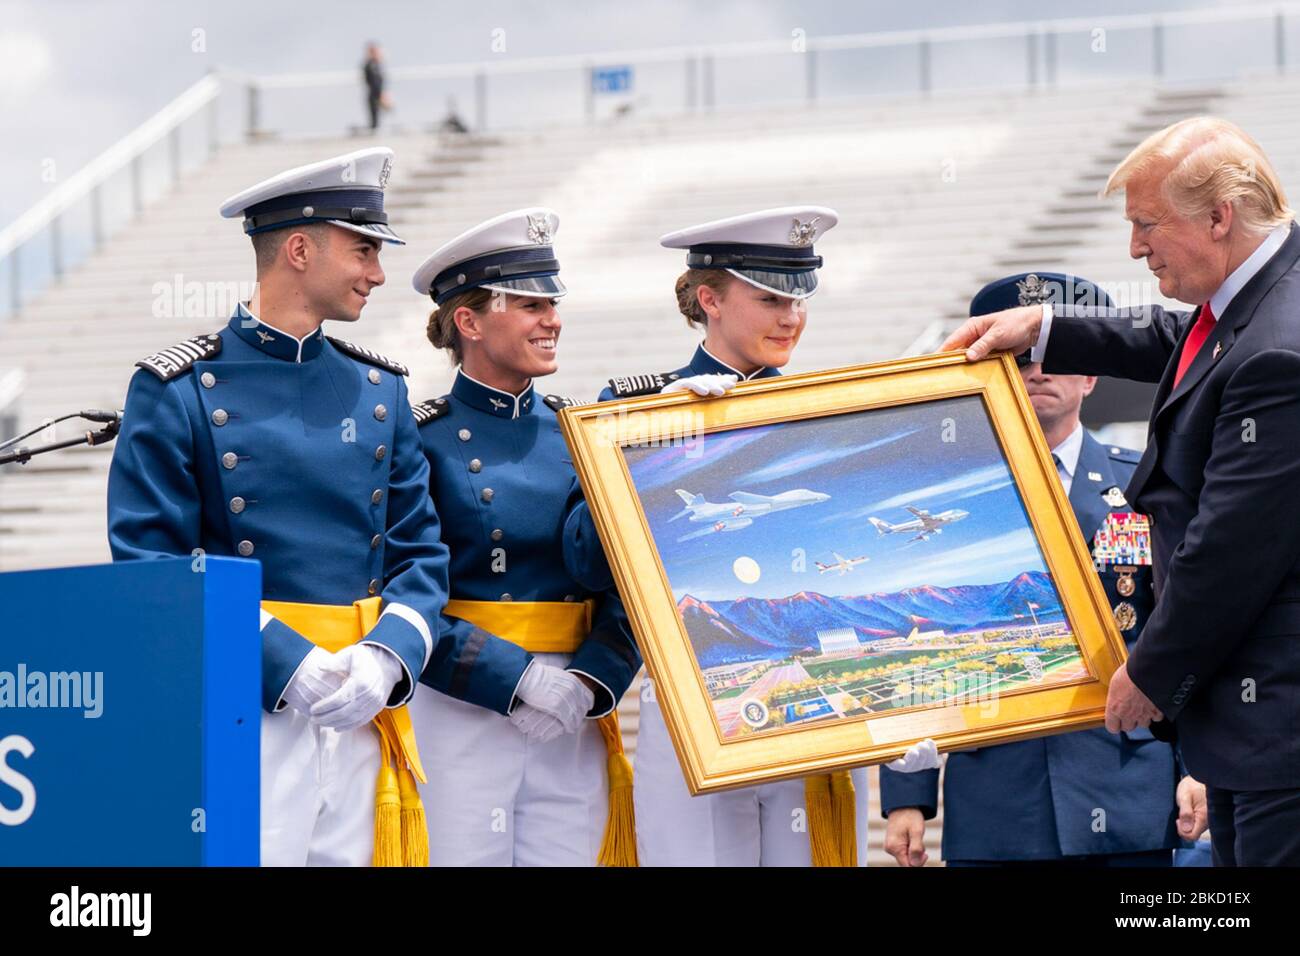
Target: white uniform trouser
{"x": 765, "y": 825}
{"x": 318, "y": 792}
{"x": 496, "y": 798}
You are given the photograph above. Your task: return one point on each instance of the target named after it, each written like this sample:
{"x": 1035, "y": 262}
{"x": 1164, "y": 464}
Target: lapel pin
{"x": 1218, "y": 348}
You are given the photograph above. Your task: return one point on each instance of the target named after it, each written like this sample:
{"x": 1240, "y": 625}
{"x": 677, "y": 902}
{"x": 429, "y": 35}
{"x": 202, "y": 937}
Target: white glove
{"x": 922, "y": 756}
{"x": 536, "y": 724}
{"x": 320, "y": 674}
{"x": 373, "y": 673}
{"x": 557, "y": 692}
{"x": 703, "y": 385}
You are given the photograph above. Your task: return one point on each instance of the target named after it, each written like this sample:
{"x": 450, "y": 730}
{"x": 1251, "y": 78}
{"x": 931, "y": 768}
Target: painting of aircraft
{"x": 842, "y": 564}
{"x": 741, "y": 511}
{"x": 923, "y": 524}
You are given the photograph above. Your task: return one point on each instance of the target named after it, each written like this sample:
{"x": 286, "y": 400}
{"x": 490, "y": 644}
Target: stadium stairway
{"x": 936, "y": 195}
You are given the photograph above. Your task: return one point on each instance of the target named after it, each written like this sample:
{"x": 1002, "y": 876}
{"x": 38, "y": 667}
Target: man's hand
{"x": 1193, "y": 812}
{"x": 905, "y": 836}
{"x": 1127, "y": 708}
{"x": 557, "y": 692}
{"x": 709, "y": 384}
{"x": 373, "y": 672}
{"x": 1012, "y": 330}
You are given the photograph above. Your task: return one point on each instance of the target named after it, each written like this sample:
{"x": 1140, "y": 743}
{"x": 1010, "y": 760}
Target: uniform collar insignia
{"x": 491, "y": 400}
{"x": 281, "y": 345}
{"x": 706, "y": 363}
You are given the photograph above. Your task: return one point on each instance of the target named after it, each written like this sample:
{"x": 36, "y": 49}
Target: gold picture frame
{"x": 752, "y": 688}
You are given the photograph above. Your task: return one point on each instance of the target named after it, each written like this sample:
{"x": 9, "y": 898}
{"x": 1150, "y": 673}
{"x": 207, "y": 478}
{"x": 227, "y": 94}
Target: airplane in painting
{"x": 741, "y": 511}
{"x": 842, "y": 564}
{"x": 923, "y": 523}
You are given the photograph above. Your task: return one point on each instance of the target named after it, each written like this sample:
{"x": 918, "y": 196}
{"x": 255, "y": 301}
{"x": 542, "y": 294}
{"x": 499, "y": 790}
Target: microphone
{"x": 99, "y": 415}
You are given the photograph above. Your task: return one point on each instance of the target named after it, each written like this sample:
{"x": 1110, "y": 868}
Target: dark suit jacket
{"x": 1220, "y": 479}
{"x": 1039, "y": 799}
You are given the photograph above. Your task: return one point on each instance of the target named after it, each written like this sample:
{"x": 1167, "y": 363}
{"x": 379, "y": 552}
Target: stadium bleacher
{"x": 936, "y": 197}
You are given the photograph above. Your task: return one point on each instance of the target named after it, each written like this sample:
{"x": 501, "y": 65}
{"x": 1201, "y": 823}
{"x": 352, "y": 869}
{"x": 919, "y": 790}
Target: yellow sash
{"x": 401, "y": 831}
{"x": 560, "y": 627}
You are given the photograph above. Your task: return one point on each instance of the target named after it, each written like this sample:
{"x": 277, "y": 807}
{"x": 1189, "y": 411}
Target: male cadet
{"x": 1089, "y": 798}
{"x": 271, "y": 440}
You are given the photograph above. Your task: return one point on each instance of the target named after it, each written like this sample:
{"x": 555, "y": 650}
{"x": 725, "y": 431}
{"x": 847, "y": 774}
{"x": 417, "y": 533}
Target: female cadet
{"x": 516, "y": 709}
{"x": 747, "y": 283}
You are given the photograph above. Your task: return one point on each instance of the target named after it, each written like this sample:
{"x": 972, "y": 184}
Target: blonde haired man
{"x": 1220, "y": 655}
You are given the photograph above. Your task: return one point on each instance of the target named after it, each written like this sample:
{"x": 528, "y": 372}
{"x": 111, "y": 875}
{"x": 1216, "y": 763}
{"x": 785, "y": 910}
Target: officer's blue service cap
{"x": 1035, "y": 288}
{"x": 509, "y": 253}
{"x": 771, "y": 249}
{"x": 346, "y": 191}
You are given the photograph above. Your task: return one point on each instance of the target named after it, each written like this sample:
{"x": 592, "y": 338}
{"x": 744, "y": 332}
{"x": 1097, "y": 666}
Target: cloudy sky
{"x": 76, "y": 74}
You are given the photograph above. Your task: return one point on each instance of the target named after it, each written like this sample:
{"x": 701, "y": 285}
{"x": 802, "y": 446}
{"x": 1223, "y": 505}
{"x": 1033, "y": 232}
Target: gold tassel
{"x": 821, "y": 820}
{"x": 618, "y": 848}
{"x": 415, "y": 829}
{"x": 388, "y": 814}
{"x": 844, "y": 806}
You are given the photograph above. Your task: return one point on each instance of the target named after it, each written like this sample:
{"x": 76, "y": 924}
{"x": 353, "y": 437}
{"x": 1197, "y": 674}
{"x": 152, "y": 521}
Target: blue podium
{"x": 130, "y": 714}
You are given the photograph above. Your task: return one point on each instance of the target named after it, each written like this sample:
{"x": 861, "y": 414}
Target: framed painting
{"x": 823, "y": 569}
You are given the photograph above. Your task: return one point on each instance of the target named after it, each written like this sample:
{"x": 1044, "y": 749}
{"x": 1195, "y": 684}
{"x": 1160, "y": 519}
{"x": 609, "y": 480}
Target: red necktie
{"x": 1200, "y": 332}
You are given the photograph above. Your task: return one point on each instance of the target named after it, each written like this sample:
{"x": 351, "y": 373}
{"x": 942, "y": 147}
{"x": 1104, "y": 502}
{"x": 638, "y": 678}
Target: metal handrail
{"x": 700, "y": 62}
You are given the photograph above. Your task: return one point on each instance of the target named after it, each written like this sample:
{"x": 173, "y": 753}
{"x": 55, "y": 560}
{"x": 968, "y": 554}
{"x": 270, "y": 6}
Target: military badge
{"x": 1094, "y": 476}
{"x": 1125, "y": 539}
{"x": 539, "y": 230}
{"x": 1031, "y": 290}
{"x": 1126, "y": 616}
{"x": 1114, "y": 497}
{"x": 1125, "y": 585}
{"x": 803, "y": 233}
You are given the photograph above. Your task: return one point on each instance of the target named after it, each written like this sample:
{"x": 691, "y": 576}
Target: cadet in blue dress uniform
{"x": 272, "y": 441}
{"x": 747, "y": 283}
{"x": 515, "y": 715}
{"x": 1083, "y": 798}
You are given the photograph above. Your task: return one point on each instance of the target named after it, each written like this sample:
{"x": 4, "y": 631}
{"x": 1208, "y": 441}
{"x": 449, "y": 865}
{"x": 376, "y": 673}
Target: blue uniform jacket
{"x": 502, "y": 476}
{"x": 1081, "y": 793}
{"x": 301, "y": 454}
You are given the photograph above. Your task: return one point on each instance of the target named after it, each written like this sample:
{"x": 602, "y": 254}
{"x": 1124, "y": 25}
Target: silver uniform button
{"x": 373, "y": 589}
{"x": 229, "y": 460}
{"x": 487, "y": 494}
{"x": 245, "y": 548}
{"x": 506, "y": 597}
{"x": 380, "y": 452}
{"x": 376, "y": 496}
{"x": 373, "y": 375}
{"x": 497, "y": 534}
{"x": 237, "y": 504}
{"x": 380, "y": 412}
{"x": 208, "y": 379}
{"x": 475, "y": 466}
{"x": 220, "y": 417}
{"x": 463, "y": 434}
{"x": 374, "y": 542}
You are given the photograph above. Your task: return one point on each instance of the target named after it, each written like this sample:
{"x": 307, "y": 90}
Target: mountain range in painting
{"x": 752, "y": 629}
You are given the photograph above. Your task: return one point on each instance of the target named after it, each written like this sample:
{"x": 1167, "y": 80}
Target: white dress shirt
{"x": 1067, "y": 456}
